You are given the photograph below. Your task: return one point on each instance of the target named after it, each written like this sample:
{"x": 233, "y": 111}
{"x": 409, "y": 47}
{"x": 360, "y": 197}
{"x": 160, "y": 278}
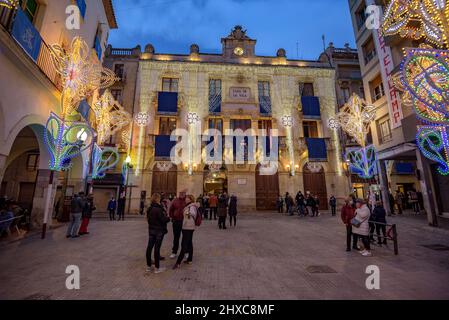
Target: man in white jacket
{"x": 360, "y": 226}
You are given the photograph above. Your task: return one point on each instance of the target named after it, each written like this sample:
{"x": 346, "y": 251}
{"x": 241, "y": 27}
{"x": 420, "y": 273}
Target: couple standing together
{"x": 183, "y": 212}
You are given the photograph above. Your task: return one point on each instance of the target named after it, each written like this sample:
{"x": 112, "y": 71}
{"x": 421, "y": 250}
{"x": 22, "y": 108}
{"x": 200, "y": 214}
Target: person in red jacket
{"x": 176, "y": 214}
{"x": 347, "y": 214}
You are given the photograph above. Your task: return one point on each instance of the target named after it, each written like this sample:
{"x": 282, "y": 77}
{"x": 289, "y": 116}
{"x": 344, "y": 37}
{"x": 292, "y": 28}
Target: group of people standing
{"x": 211, "y": 206}
{"x": 81, "y": 209}
{"x": 304, "y": 205}
{"x": 118, "y": 207}
{"x": 361, "y": 220}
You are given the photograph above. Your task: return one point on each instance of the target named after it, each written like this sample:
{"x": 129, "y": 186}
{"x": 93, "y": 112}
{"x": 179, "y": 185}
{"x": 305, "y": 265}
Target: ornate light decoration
{"x": 10, "y": 4}
{"x": 192, "y": 118}
{"x": 142, "y": 119}
{"x": 81, "y": 71}
{"x": 333, "y": 124}
{"x": 164, "y": 166}
{"x": 434, "y": 144}
{"x": 362, "y": 161}
{"x": 64, "y": 142}
{"x": 287, "y": 121}
{"x": 103, "y": 159}
{"x": 418, "y": 19}
{"x": 126, "y": 137}
{"x": 110, "y": 117}
{"x": 355, "y": 118}
{"x": 425, "y": 79}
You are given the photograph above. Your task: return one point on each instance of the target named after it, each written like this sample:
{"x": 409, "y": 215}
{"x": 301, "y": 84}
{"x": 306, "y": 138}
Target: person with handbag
{"x": 347, "y": 214}
{"x": 189, "y": 225}
{"x": 360, "y": 226}
{"x": 157, "y": 227}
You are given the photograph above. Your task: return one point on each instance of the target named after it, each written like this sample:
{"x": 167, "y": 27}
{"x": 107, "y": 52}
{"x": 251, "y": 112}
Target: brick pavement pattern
{"x": 268, "y": 256}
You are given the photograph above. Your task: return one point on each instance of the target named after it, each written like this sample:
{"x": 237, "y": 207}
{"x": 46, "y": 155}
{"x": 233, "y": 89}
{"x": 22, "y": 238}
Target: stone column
{"x": 40, "y": 197}
{"x": 383, "y": 180}
{"x": 427, "y": 188}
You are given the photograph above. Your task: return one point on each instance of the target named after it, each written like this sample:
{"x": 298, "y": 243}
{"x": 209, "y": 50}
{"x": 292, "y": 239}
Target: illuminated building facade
{"x": 235, "y": 89}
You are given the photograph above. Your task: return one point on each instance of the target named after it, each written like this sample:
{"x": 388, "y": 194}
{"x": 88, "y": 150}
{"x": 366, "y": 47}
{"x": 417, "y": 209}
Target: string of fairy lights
{"x": 424, "y": 75}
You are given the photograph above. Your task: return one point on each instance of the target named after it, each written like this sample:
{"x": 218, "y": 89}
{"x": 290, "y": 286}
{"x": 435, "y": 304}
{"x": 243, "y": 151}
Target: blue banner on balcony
{"x": 317, "y": 149}
{"x": 98, "y": 48}
{"x": 311, "y": 107}
{"x": 265, "y": 105}
{"x": 82, "y": 6}
{"x": 167, "y": 103}
{"x": 404, "y": 168}
{"x": 163, "y": 146}
{"x": 84, "y": 110}
{"x": 26, "y": 35}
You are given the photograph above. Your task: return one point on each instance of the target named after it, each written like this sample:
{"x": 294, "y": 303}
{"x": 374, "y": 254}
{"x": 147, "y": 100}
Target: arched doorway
{"x": 215, "y": 179}
{"x": 267, "y": 190}
{"x": 164, "y": 179}
{"x": 315, "y": 182}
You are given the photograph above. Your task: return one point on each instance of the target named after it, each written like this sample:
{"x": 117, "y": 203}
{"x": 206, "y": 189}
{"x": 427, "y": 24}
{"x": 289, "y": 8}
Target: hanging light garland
{"x": 110, "y": 117}
{"x": 103, "y": 159}
{"x": 10, "y": 4}
{"x": 355, "y": 118}
{"x": 81, "y": 72}
{"x": 417, "y": 19}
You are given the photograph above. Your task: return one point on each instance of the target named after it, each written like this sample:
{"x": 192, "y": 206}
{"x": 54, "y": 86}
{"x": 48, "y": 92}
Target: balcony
{"x": 311, "y": 107}
{"x": 162, "y": 147}
{"x": 215, "y": 104}
{"x": 30, "y": 41}
{"x": 167, "y": 103}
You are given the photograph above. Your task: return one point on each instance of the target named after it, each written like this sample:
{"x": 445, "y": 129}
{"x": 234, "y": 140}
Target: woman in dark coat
{"x": 232, "y": 210}
{"x": 157, "y": 228}
{"x": 222, "y": 210}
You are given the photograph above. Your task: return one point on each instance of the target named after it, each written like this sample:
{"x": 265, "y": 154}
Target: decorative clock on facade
{"x": 238, "y": 51}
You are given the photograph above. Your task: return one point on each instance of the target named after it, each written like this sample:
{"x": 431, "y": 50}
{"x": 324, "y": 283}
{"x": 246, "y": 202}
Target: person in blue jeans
{"x": 76, "y": 211}
{"x": 112, "y": 205}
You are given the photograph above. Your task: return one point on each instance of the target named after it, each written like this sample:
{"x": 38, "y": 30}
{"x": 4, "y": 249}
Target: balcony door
{"x": 165, "y": 181}
{"x": 267, "y": 190}
{"x": 315, "y": 183}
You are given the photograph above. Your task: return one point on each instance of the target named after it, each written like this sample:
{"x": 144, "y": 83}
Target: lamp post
{"x": 128, "y": 166}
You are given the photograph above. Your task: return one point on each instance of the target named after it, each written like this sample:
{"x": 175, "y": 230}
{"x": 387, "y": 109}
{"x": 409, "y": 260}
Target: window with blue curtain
{"x": 98, "y": 48}
{"x": 317, "y": 149}
{"x": 311, "y": 107}
{"x": 163, "y": 146}
{"x": 82, "y": 6}
{"x": 167, "y": 103}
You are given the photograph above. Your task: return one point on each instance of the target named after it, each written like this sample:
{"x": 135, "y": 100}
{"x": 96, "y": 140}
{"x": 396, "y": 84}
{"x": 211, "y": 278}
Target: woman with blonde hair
{"x": 188, "y": 227}
{"x": 157, "y": 228}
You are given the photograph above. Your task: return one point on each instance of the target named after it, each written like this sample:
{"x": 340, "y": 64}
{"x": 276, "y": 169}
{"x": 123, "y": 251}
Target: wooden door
{"x": 165, "y": 181}
{"x": 267, "y": 190}
{"x": 316, "y": 184}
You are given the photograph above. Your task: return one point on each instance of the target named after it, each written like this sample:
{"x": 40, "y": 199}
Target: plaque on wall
{"x": 240, "y": 94}
{"x": 241, "y": 182}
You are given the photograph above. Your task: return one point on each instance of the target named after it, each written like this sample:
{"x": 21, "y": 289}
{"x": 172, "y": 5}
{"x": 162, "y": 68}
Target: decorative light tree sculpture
{"x": 355, "y": 118}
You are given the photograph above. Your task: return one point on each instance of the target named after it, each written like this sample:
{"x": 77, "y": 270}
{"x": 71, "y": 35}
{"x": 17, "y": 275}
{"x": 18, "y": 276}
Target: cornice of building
{"x": 110, "y": 14}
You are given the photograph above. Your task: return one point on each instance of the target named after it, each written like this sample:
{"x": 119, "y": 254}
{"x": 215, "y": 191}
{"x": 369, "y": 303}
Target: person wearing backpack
{"x": 190, "y": 222}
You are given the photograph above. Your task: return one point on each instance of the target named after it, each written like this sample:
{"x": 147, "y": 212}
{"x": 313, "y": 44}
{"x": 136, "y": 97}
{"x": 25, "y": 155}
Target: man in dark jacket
{"x": 112, "y": 205}
{"x": 333, "y": 205}
{"x": 347, "y": 214}
{"x": 76, "y": 210}
{"x": 379, "y": 217}
{"x": 177, "y": 216}
{"x": 232, "y": 210}
{"x": 222, "y": 210}
{"x": 121, "y": 207}
{"x": 87, "y": 215}
{"x": 300, "y": 203}
{"x": 157, "y": 228}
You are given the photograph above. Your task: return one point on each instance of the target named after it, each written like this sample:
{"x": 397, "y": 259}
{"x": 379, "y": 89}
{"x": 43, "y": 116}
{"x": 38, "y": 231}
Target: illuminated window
{"x": 307, "y": 90}
{"x": 384, "y": 130}
{"x": 32, "y": 162}
{"x": 169, "y": 85}
{"x": 310, "y": 129}
{"x": 30, "y": 8}
{"x": 264, "y": 88}
{"x": 166, "y": 125}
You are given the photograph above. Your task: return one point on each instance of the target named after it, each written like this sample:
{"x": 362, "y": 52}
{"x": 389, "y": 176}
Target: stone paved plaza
{"x": 268, "y": 256}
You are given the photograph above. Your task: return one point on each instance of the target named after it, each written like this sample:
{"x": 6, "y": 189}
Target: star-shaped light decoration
{"x": 192, "y": 118}
{"x": 142, "y": 119}
{"x": 10, "y": 4}
{"x": 110, "y": 117}
{"x": 81, "y": 72}
{"x": 355, "y": 118}
{"x": 287, "y": 121}
{"x": 416, "y": 19}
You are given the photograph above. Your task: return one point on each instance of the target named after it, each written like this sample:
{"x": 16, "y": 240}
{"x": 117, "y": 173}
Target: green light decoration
{"x": 433, "y": 143}
{"x": 103, "y": 159}
{"x": 65, "y": 141}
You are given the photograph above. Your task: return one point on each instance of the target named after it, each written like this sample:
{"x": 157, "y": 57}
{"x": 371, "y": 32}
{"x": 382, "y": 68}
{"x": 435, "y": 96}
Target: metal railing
{"x": 391, "y": 234}
{"x": 44, "y": 60}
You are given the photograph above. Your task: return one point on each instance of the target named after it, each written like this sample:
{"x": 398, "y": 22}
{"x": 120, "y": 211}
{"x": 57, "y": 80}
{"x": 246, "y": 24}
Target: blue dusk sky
{"x": 173, "y": 25}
